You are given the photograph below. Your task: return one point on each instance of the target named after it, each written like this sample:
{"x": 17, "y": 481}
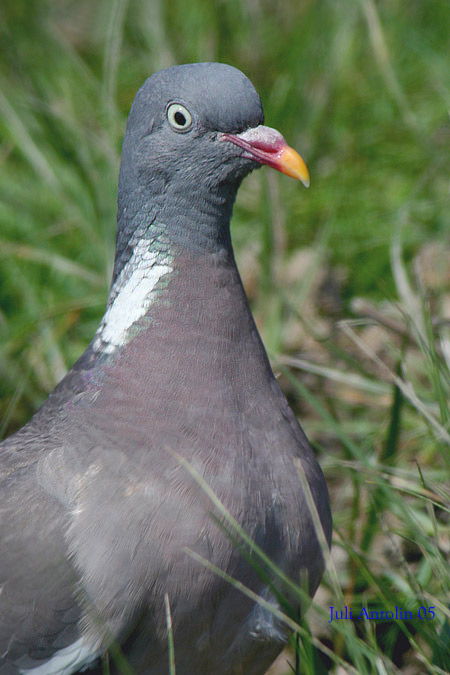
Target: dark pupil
{"x": 180, "y": 118}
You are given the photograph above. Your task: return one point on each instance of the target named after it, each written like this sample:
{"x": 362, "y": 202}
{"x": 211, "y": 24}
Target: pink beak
{"x": 267, "y": 146}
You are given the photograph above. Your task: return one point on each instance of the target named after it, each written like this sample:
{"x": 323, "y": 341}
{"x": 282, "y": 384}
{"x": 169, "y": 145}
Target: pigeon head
{"x": 218, "y": 97}
{"x": 193, "y": 133}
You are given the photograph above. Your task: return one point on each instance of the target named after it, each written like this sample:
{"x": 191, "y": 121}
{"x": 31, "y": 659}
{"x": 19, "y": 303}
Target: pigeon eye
{"x": 179, "y": 117}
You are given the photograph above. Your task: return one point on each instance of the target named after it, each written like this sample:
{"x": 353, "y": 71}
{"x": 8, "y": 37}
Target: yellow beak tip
{"x": 293, "y": 165}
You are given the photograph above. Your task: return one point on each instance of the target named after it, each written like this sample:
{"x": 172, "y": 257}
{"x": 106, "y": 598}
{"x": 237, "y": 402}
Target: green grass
{"x": 349, "y": 281}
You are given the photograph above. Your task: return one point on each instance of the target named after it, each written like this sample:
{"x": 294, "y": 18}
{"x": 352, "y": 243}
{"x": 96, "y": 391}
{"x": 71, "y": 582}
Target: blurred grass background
{"x": 349, "y": 281}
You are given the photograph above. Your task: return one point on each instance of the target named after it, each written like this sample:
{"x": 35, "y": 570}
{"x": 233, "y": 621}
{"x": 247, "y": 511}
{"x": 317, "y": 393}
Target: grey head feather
{"x": 159, "y": 165}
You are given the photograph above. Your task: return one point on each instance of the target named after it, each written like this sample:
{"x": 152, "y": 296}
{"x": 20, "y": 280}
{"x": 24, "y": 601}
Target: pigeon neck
{"x": 152, "y": 237}
{"x": 182, "y": 216}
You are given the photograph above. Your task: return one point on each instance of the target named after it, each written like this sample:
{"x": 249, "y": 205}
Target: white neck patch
{"x": 131, "y": 295}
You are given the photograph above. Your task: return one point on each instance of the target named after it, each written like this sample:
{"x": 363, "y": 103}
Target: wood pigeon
{"x": 104, "y": 503}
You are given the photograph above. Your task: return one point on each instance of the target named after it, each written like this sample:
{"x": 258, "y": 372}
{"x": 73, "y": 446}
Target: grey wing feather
{"x": 38, "y": 608}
